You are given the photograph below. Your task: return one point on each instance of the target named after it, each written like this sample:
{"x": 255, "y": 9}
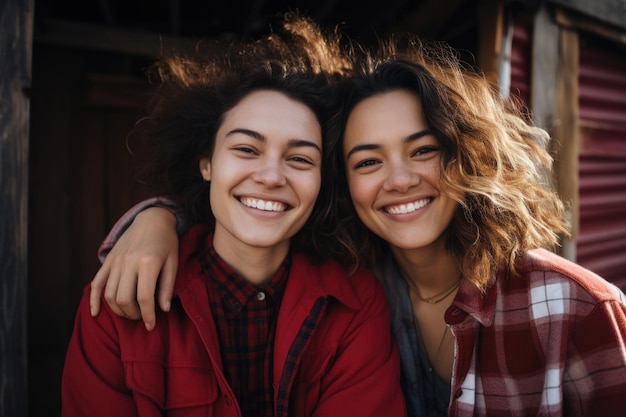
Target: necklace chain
{"x": 432, "y": 363}
{"x": 437, "y": 298}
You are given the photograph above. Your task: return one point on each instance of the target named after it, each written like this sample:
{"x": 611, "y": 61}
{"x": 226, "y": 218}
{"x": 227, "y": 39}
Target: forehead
{"x": 272, "y": 112}
{"x": 395, "y": 114}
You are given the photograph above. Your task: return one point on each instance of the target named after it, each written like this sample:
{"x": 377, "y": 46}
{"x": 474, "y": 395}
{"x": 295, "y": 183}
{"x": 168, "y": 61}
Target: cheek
{"x": 309, "y": 187}
{"x": 359, "y": 192}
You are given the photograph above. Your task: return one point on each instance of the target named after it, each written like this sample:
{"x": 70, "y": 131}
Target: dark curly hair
{"x": 194, "y": 93}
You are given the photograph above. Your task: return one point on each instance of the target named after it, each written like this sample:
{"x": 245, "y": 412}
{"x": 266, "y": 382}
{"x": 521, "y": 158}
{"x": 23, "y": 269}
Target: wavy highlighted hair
{"x": 494, "y": 163}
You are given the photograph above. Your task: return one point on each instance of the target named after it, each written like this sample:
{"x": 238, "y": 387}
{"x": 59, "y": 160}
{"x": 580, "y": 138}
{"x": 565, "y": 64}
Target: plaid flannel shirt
{"x": 551, "y": 342}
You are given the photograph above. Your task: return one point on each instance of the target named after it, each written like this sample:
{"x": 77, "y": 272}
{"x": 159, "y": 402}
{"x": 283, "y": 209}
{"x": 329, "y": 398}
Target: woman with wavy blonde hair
{"x": 442, "y": 188}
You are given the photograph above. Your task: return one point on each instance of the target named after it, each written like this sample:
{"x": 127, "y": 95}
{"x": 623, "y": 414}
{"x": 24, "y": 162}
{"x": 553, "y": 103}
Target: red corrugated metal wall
{"x": 601, "y": 245}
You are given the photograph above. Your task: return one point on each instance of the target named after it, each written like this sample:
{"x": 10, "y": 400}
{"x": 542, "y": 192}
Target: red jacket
{"x": 348, "y": 367}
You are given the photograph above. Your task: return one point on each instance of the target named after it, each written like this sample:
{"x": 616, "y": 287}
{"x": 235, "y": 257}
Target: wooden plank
{"x": 52, "y": 306}
{"x": 543, "y": 102}
{"x": 15, "y": 78}
{"x": 428, "y": 18}
{"x": 585, "y": 24}
{"x": 490, "y": 29}
{"x": 544, "y": 69}
{"x": 566, "y": 145}
{"x": 55, "y": 32}
{"x": 74, "y": 116}
{"x": 608, "y": 11}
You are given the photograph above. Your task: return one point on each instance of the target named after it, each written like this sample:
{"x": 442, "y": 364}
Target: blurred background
{"x": 72, "y": 85}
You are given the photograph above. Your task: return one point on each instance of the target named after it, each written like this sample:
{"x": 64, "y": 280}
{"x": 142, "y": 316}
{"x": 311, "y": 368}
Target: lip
{"x": 264, "y": 204}
{"x": 407, "y": 206}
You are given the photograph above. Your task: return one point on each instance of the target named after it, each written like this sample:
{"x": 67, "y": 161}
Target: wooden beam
{"x": 102, "y": 38}
{"x": 566, "y": 145}
{"x": 606, "y": 11}
{"x": 579, "y": 22}
{"x": 429, "y": 17}
{"x": 544, "y": 69}
{"x": 544, "y": 81}
{"x": 15, "y": 81}
{"x": 490, "y": 30}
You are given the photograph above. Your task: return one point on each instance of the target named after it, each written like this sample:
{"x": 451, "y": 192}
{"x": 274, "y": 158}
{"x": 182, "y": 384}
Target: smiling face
{"x": 264, "y": 171}
{"x": 392, "y": 164}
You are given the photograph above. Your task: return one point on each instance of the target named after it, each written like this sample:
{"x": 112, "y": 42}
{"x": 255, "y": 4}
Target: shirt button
{"x": 458, "y": 393}
{"x": 260, "y": 296}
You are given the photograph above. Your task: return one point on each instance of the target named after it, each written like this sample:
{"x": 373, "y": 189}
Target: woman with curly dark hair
{"x": 263, "y": 322}
{"x": 442, "y": 187}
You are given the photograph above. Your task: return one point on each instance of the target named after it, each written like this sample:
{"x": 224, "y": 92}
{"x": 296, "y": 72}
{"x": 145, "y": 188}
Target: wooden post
{"x": 544, "y": 70}
{"x": 567, "y": 134}
{"x": 547, "y": 76}
{"x": 16, "y": 18}
{"x": 490, "y": 29}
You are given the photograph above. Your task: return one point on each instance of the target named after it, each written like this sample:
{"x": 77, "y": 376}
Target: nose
{"x": 400, "y": 178}
{"x": 270, "y": 173}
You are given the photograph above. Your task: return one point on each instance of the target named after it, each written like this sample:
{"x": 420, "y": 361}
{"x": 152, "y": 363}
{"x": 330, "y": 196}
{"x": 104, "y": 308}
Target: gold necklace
{"x": 432, "y": 363}
{"x": 437, "y": 298}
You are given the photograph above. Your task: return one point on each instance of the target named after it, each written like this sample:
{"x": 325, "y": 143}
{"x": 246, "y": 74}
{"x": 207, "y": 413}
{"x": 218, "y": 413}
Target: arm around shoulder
{"x": 140, "y": 250}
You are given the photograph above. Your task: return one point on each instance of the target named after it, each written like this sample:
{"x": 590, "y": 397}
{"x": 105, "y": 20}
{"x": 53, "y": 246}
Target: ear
{"x": 205, "y": 168}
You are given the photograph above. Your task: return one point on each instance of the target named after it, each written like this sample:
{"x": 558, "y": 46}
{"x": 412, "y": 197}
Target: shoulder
{"x": 545, "y": 270}
{"x": 353, "y": 287}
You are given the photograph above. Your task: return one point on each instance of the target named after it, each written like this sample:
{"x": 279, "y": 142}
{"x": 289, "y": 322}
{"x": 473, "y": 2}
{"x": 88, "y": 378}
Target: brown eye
{"x": 301, "y": 160}
{"x": 245, "y": 149}
{"x": 425, "y": 151}
{"x": 366, "y": 163}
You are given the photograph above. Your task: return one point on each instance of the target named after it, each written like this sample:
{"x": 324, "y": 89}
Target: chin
{"x": 264, "y": 241}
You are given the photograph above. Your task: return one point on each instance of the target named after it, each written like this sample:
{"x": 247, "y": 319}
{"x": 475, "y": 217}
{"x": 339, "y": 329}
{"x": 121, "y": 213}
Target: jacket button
{"x": 227, "y": 400}
{"x": 458, "y": 393}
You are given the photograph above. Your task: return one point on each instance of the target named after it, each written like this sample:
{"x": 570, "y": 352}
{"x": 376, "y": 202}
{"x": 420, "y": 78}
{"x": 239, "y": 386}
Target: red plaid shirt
{"x": 245, "y": 317}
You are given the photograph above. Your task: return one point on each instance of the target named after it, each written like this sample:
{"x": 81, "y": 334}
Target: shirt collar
{"x": 234, "y": 289}
{"x": 481, "y": 306}
{"x": 469, "y": 300}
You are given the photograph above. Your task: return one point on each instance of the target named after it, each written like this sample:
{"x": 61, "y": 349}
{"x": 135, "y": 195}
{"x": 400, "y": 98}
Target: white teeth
{"x": 263, "y": 205}
{"x": 407, "y": 208}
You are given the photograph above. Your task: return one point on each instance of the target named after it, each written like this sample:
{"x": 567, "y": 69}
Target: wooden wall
{"x": 82, "y": 180}
{"x": 15, "y": 47}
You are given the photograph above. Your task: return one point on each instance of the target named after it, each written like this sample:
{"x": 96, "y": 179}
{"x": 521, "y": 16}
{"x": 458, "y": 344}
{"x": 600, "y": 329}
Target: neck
{"x": 257, "y": 265}
{"x": 429, "y": 272}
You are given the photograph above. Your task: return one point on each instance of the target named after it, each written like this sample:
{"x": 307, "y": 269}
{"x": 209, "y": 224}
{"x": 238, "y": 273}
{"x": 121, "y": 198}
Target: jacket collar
{"x": 306, "y": 281}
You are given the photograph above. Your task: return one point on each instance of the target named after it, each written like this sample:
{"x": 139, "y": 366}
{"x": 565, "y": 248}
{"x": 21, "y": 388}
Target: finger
{"x": 97, "y": 286}
{"x": 126, "y": 297}
{"x": 110, "y": 290}
{"x": 146, "y": 288}
{"x": 166, "y": 284}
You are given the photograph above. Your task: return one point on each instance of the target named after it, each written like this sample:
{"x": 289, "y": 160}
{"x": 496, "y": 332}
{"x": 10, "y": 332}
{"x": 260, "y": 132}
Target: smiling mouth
{"x": 407, "y": 208}
{"x": 263, "y": 205}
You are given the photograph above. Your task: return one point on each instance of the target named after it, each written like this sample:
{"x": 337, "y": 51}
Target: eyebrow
{"x": 368, "y": 147}
{"x": 292, "y": 143}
